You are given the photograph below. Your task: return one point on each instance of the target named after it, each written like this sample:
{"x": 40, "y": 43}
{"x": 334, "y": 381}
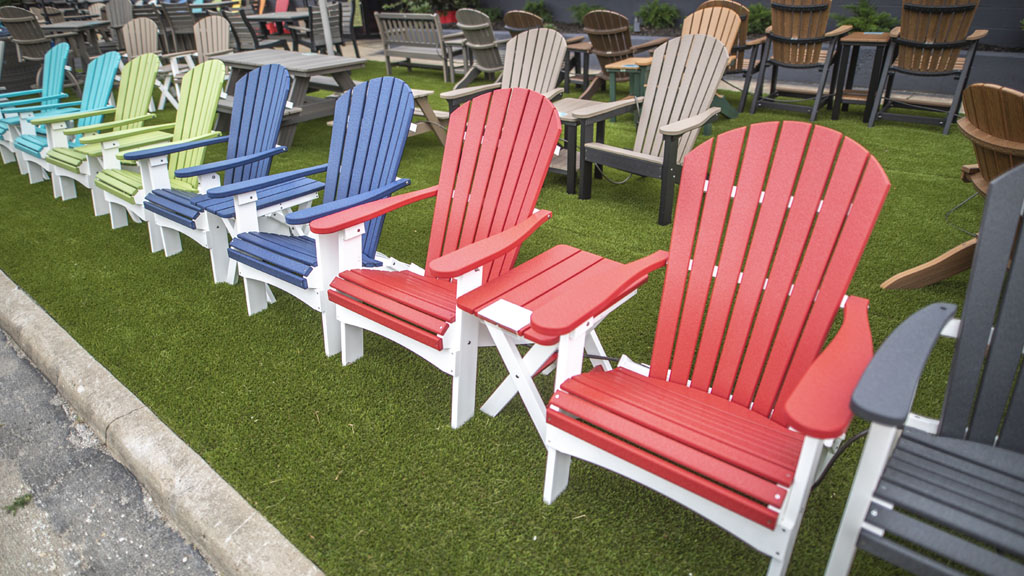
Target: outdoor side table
{"x": 505, "y": 306}
{"x": 567, "y": 159}
{"x": 301, "y": 66}
{"x": 636, "y": 68}
{"x": 580, "y": 52}
{"x": 849, "y": 51}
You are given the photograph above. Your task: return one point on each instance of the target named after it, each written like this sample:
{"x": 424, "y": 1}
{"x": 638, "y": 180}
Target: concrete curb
{"x": 231, "y": 534}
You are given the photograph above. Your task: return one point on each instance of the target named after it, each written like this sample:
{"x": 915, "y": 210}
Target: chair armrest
{"x": 43, "y": 107}
{"x": 977, "y": 35}
{"x": 755, "y": 41}
{"x": 886, "y": 391}
{"x": 20, "y": 93}
{"x": 840, "y": 31}
{"x": 118, "y": 134}
{"x": 109, "y": 125}
{"x": 895, "y": 32}
{"x": 8, "y": 105}
{"x": 182, "y": 54}
{"x": 819, "y": 406}
{"x": 469, "y": 92}
{"x": 227, "y": 164}
{"x": 604, "y": 110}
{"x": 315, "y": 212}
{"x": 685, "y": 125}
{"x": 478, "y": 253}
{"x": 256, "y": 184}
{"x": 368, "y": 211}
{"x": 168, "y": 149}
{"x": 968, "y": 170}
{"x": 561, "y": 318}
{"x": 553, "y": 94}
{"x": 653, "y": 43}
{"x": 50, "y": 119}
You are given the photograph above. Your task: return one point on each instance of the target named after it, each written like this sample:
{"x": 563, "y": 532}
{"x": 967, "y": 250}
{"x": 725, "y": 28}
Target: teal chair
{"x": 14, "y": 104}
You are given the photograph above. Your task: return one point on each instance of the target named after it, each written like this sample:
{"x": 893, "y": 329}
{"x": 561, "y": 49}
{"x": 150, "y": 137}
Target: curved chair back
{"x": 25, "y": 32}
{"x": 136, "y": 89}
{"x": 517, "y": 21}
{"x": 740, "y": 46}
{"x": 932, "y": 33}
{"x": 994, "y": 123}
{"x": 99, "y": 83}
{"x": 719, "y": 22}
{"x": 480, "y": 39}
{"x": 684, "y": 75}
{"x": 798, "y": 30}
{"x": 197, "y": 110}
{"x": 119, "y": 13}
{"x": 533, "y": 60}
{"x": 609, "y": 35}
{"x": 264, "y": 92}
{"x": 213, "y": 37}
{"x": 140, "y": 36}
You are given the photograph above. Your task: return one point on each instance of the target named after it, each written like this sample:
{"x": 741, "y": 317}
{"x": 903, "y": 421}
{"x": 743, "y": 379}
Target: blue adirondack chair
{"x": 33, "y": 142}
{"x": 49, "y": 92}
{"x": 371, "y": 123}
{"x": 260, "y": 98}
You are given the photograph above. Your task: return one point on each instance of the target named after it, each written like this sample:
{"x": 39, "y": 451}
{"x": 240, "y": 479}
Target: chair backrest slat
{"x": 25, "y": 32}
{"x": 685, "y": 73}
{"x": 720, "y": 22}
{"x": 798, "y": 30}
{"x": 751, "y": 311}
{"x": 533, "y": 60}
{"x": 212, "y": 36}
{"x": 119, "y": 13}
{"x": 99, "y": 83}
{"x": 496, "y": 156}
{"x": 197, "y": 110}
{"x": 932, "y": 32}
{"x": 371, "y": 124}
{"x": 260, "y": 98}
{"x": 136, "y": 89}
{"x": 741, "y": 34}
{"x": 980, "y": 404}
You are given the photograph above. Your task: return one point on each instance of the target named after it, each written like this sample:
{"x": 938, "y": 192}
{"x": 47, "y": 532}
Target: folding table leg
{"x": 520, "y": 376}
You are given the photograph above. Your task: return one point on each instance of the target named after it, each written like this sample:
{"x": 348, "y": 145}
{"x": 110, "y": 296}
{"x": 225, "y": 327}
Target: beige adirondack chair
{"x": 533, "y": 60}
{"x": 684, "y": 75}
{"x": 723, "y": 23}
{"x": 994, "y": 123}
{"x": 484, "y": 49}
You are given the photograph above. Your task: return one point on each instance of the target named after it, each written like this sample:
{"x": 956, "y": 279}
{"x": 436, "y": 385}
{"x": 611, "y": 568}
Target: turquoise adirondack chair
{"x": 260, "y": 98}
{"x": 49, "y": 92}
{"x": 371, "y": 124}
{"x": 124, "y": 189}
{"x": 33, "y": 142}
{"x": 80, "y": 163}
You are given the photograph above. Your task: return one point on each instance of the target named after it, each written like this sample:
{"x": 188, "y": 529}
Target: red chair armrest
{"x": 368, "y": 211}
{"x": 479, "y": 253}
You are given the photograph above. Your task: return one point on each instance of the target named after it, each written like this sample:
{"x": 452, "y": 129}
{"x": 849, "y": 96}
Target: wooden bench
{"x": 418, "y": 36}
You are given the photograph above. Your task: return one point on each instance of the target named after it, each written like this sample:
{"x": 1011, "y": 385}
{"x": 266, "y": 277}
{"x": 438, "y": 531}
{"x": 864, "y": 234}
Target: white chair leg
{"x": 332, "y": 329}
{"x": 118, "y": 214}
{"x": 22, "y": 165}
{"x": 872, "y": 462}
{"x": 556, "y": 474}
{"x": 6, "y": 155}
{"x": 100, "y": 206}
{"x": 36, "y": 174}
{"x": 156, "y": 238}
{"x": 464, "y": 379}
{"x": 224, "y": 269}
{"x": 351, "y": 342}
{"x": 170, "y": 239}
{"x": 255, "y": 295}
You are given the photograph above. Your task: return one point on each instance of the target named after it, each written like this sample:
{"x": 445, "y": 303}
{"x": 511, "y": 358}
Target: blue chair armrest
{"x": 169, "y": 149}
{"x": 259, "y": 183}
{"x": 212, "y": 167}
{"x": 18, "y": 103}
{"x": 312, "y": 213}
{"x": 43, "y": 107}
{"x": 885, "y": 393}
{"x": 20, "y": 93}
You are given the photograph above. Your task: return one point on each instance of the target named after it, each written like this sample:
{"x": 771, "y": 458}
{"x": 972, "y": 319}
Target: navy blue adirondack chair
{"x": 33, "y": 141}
{"x": 260, "y": 98}
{"x": 371, "y": 123}
{"x": 49, "y": 92}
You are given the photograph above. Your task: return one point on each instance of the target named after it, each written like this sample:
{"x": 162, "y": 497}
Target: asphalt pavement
{"x": 87, "y": 514}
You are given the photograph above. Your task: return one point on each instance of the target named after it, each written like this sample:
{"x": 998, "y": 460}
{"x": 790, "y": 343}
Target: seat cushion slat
{"x": 428, "y": 295}
{"x": 389, "y": 304}
{"x": 432, "y": 340}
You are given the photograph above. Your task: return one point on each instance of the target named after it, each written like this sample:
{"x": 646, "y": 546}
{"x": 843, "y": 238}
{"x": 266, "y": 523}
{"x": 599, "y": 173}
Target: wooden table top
{"x": 865, "y": 38}
{"x": 71, "y": 25}
{"x": 297, "y": 63}
{"x": 289, "y": 16}
{"x": 628, "y": 63}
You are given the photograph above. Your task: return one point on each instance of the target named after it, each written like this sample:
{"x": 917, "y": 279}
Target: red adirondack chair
{"x": 495, "y": 159}
{"x": 733, "y": 417}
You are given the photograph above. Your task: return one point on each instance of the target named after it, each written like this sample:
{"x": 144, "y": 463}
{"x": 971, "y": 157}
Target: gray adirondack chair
{"x": 684, "y": 75}
{"x": 484, "y": 49}
{"x": 533, "y": 60}
{"x": 952, "y": 488}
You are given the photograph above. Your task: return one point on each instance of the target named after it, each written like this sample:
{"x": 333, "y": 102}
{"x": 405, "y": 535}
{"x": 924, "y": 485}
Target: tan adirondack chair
{"x": 928, "y": 43}
{"x": 484, "y": 49}
{"x": 723, "y": 23}
{"x": 684, "y": 75}
{"x": 994, "y": 123}
{"x": 797, "y": 38}
{"x": 609, "y": 35}
{"x": 533, "y": 60}
{"x": 518, "y": 21}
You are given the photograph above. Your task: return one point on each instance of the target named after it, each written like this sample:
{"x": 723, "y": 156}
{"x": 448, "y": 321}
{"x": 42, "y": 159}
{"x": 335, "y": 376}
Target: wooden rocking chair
{"x": 994, "y": 123}
{"x": 740, "y": 403}
{"x": 945, "y": 496}
{"x": 495, "y": 159}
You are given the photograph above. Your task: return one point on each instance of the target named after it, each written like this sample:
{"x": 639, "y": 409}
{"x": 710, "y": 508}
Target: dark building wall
{"x": 1000, "y": 17}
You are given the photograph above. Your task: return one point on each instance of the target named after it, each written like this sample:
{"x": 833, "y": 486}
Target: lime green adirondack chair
{"x": 73, "y": 161}
{"x": 124, "y": 188}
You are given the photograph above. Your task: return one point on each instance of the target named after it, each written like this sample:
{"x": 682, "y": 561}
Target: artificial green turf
{"x": 357, "y": 465}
